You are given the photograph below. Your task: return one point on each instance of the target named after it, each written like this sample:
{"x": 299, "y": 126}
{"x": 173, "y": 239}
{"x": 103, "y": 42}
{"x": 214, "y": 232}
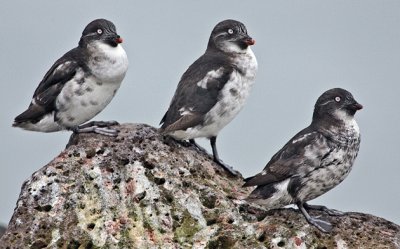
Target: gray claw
{"x": 322, "y": 225}
{"x": 334, "y": 212}
{"x": 106, "y": 131}
{"x": 227, "y": 168}
{"x": 99, "y": 130}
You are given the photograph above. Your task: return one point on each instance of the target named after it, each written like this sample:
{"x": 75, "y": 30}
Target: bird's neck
{"x": 336, "y": 124}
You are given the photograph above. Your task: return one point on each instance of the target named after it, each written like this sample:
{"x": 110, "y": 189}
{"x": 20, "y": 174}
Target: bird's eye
{"x": 99, "y": 31}
{"x": 230, "y": 31}
{"x": 337, "y": 99}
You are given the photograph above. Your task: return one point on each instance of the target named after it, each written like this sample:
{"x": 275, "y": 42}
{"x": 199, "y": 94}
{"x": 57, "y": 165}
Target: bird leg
{"x": 198, "y": 146}
{"x": 228, "y": 168}
{"x": 99, "y": 127}
{"x": 331, "y": 212}
{"x": 99, "y": 124}
{"x": 322, "y": 225}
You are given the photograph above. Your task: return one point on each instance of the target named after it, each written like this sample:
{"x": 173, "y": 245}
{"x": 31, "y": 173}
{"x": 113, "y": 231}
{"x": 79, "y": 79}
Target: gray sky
{"x": 303, "y": 48}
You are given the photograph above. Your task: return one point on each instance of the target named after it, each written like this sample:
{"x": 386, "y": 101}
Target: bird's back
{"x": 45, "y": 95}
{"x": 188, "y": 92}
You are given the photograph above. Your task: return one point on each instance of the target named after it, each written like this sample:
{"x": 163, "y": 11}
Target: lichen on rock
{"x": 144, "y": 190}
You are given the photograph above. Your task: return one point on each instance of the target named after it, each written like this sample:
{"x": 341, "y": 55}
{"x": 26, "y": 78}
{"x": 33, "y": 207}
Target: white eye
{"x": 337, "y": 99}
{"x": 230, "y": 31}
{"x": 99, "y": 31}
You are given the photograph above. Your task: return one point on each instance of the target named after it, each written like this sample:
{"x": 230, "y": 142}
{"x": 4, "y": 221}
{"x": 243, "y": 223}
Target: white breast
{"x": 349, "y": 121}
{"x": 84, "y": 96}
{"x": 231, "y": 99}
{"x": 335, "y": 167}
{"x": 325, "y": 178}
{"x": 108, "y": 64}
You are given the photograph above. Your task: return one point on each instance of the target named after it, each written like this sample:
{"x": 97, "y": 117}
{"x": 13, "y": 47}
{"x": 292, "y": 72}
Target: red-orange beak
{"x": 119, "y": 40}
{"x": 250, "y": 41}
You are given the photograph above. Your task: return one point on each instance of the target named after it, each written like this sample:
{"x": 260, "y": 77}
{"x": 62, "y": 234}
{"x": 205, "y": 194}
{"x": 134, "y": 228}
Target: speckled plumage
{"x": 316, "y": 159}
{"x": 80, "y": 84}
{"x": 214, "y": 88}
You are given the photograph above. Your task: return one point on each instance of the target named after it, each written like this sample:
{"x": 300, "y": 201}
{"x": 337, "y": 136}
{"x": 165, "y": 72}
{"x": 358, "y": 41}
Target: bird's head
{"x": 230, "y": 36}
{"x": 100, "y": 30}
{"x": 336, "y": 103}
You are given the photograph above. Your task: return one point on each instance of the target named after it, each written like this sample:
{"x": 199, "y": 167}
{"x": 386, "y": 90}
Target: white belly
{"x": 78, "y": 103}
{"x": 329, "y": 176}
{"x": 232, "y": 98}
{"x": 81, "y": 100}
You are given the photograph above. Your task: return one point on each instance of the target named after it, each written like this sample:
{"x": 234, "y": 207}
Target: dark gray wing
{"x": 197, "y": 92}
{"x": 49, "y": 88}
{"x": 302, "y": 154}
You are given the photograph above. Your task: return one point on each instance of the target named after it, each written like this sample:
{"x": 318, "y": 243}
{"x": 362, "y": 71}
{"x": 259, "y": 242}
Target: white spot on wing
{"x": 228, "y": 105}
{"x": 62, "y": 67}
{"x": 301, "y": 138}
{"x": 185, "y": 111}
{"x": 210, "y": 75}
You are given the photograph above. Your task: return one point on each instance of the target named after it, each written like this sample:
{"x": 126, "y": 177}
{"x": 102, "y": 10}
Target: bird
{"x": 314, "y": 161}
{"x": 214, "y": 88}
{"x": 79, "y": 85}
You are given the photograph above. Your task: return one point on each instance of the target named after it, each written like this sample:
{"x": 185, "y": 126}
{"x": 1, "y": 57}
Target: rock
{"x": 143, "y": 190}
{"x": 2, "y": 230}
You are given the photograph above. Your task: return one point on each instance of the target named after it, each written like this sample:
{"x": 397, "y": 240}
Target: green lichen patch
{"x": 188, "y": 228}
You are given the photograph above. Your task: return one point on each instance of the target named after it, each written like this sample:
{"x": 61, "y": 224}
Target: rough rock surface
{"x": 143, "y": 190}
{"x": 2, "y": 230}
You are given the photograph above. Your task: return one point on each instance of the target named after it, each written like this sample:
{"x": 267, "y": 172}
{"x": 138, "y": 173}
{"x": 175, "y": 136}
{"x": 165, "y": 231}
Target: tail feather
{"x": 33, "y": 114}
{"x": 44, "y": 123}
{"x": 274, "y": 195}
{"x": 247, "y": 180}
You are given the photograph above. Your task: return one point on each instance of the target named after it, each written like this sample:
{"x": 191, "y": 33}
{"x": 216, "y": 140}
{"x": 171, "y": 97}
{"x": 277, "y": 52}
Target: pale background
{"x": 303, "y": 48}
